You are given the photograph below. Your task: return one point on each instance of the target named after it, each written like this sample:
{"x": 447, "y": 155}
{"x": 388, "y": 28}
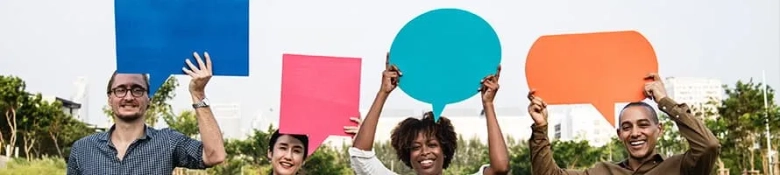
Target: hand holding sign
{"x": 595, "y": 68}
{"x": 444, "y": 54}
{"x": 152, "y": 36}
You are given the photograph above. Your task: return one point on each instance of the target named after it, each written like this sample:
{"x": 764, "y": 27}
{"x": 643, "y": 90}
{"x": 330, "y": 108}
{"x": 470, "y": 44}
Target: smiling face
{"x": 287, "y": 155}
{"x": 127, "y": 96}
{"x": 425, "y": 145}
{"x": 639, "y": 130}
{"x": 427, "y": 156}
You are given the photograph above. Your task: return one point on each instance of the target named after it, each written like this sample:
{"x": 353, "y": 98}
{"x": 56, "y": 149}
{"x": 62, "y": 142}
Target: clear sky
{"x": 49, "y": 43}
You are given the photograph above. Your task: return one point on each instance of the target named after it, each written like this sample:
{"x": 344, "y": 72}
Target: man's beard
{"x": 130, "y": 118}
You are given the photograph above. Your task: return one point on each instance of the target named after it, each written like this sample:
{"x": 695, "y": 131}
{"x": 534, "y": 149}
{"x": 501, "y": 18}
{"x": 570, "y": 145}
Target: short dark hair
{"x": 649, "y": 108}
{"x": 113, "y": 76}
{"x": 303, "y": 138}
{"x": 406, "y": 132}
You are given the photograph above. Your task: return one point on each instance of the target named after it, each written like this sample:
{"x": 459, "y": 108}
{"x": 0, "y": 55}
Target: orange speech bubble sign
{"x": 591, "y": 68}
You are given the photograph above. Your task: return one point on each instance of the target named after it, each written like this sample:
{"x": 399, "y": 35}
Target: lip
{"x": 286, "y": 165}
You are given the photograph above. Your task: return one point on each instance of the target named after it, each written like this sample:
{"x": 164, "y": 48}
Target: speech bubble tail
{"x": 315, "y": 141}
{"x": 607, "y": 110}
{"x": 155, "y": 82}
{"x": 437, "y": 110}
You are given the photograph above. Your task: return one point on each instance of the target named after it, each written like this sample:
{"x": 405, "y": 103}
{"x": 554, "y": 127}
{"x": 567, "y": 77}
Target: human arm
{"x": 364, "y": 140}
{"x": 73, "y": 165}
{"x": 362, "y": 159}
{"x": 498, "y": 153}
{"x": 704, "y": 147}
{"x": 210, "y": 134}
{"x": 542, "y": 162}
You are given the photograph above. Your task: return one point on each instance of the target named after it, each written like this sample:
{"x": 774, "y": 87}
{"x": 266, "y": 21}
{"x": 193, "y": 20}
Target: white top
{"x": 366, "y": 163}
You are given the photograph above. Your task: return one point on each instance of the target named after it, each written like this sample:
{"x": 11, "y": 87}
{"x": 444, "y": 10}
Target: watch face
{"x": 206, "y": 101}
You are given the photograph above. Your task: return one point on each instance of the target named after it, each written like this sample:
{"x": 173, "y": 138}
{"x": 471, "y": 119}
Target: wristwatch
{"x": 202, "y": 104}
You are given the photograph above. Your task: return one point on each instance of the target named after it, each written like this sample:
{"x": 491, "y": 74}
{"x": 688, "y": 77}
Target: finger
{"x": 387, "y": 60}
{"x": 201, "y": 65}
{"x": 653, "y": 76}
{"x": 391, "y": 74}
{"x": 187, "y": 71}
{"x": 356, "y": 119}
{"x": 350, "y": 128}
{"x": 531, "y": 94}
{"x": 498, "y": 72}
{"x": 208, "y": 61}
{"x": 394, "y": 68}
{"x": 192, "y": 66}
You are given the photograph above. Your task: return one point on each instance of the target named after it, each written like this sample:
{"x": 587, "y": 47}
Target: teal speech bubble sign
{"x": 444, "y": 54}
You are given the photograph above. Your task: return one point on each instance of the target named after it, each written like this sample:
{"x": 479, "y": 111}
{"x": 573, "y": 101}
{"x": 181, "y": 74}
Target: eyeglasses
{"x": 122, "y": 92}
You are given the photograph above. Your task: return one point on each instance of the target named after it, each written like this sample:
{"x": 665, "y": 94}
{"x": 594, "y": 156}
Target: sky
{"x": 50, "y": 43}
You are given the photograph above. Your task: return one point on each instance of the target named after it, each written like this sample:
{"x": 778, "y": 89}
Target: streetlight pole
{"x": 769, "y": 152}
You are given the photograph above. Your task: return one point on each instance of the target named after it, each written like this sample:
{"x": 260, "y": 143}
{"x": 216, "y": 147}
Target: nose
{"x": 635, "y": 132}
{"x": 287, "y": 155}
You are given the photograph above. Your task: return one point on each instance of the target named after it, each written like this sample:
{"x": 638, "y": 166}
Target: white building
{"x": 696, "y": 92}
{"x": 228, "y": 117}
{"x": 68, "y": 107}
{"x": 580, "y": 122}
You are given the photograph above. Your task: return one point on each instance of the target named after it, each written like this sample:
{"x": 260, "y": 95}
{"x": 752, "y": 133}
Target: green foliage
{"x": 159, "y": 105}
{"x": 186, "y": 122}
{"x": 42, "y": 126}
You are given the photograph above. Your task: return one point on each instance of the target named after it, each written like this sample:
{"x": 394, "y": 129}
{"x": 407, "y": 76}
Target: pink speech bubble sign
{"x": 319, "y": 95}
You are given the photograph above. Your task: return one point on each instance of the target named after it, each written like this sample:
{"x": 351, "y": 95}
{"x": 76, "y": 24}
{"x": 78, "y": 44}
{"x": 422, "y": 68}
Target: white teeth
{"x": 635, "y": 143}
{"x": 426, "y": 161}
{"x": 286, "y": 165}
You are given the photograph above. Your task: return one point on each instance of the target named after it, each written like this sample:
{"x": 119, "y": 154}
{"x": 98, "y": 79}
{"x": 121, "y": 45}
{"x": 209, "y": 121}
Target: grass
{"x": 35, "y": 167}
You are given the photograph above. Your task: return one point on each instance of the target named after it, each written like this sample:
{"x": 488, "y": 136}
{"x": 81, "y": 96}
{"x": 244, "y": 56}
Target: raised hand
{"x": 490, "y": 86}
{"x": 537, "y": 109}
{"x": 655, "y": 89}
{"x": 200, "y": 74}
{"x": 390, "y": 77}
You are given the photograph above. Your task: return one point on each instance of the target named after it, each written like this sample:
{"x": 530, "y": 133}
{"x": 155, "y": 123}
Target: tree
{"x": 12, "y": 97}
{"x": 158, "y": 106}
{"x": 325, "y": 161}
{"x": 670, "y": 142}
{"x": 186, "y": 122}
{"x": 741, "y": 117}
{"x": 575, "y": 154}
{"x": 42, "y": 125}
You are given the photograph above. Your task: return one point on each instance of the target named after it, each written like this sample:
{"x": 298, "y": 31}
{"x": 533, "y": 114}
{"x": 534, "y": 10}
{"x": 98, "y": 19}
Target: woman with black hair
{"x": 425, "y": 145}
{"x": 287, "y": 152}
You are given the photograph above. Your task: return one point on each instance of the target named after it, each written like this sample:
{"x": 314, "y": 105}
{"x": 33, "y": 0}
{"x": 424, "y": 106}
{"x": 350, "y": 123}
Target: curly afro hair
{"x": 404, "y": 134}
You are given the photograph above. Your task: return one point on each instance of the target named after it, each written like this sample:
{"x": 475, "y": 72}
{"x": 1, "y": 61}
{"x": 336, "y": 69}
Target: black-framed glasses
{"x": 122, "y": 92}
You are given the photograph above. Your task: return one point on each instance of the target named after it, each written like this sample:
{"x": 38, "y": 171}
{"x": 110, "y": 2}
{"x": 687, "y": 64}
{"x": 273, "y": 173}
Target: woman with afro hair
{"x": 425, "y": 145}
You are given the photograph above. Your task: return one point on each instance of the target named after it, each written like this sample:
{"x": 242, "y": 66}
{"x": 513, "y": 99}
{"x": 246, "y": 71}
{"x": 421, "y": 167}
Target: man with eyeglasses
{"x": 132, "y": 147}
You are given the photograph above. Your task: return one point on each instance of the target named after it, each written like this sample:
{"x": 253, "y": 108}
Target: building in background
{"x": 580, "y": 122}
{"x": 696, "y": 92}
{"x": 68, "y": 107}
{"x": 81, "y": 96}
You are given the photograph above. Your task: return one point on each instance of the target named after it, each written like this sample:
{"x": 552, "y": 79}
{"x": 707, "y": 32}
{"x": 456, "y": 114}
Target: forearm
{"x": 499, "y": 156}
{"x": 364, "y": 140}
{"x": 542, "y": 161}
{"x": 210, "y": 134}
{"x": 704, "y": 146}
